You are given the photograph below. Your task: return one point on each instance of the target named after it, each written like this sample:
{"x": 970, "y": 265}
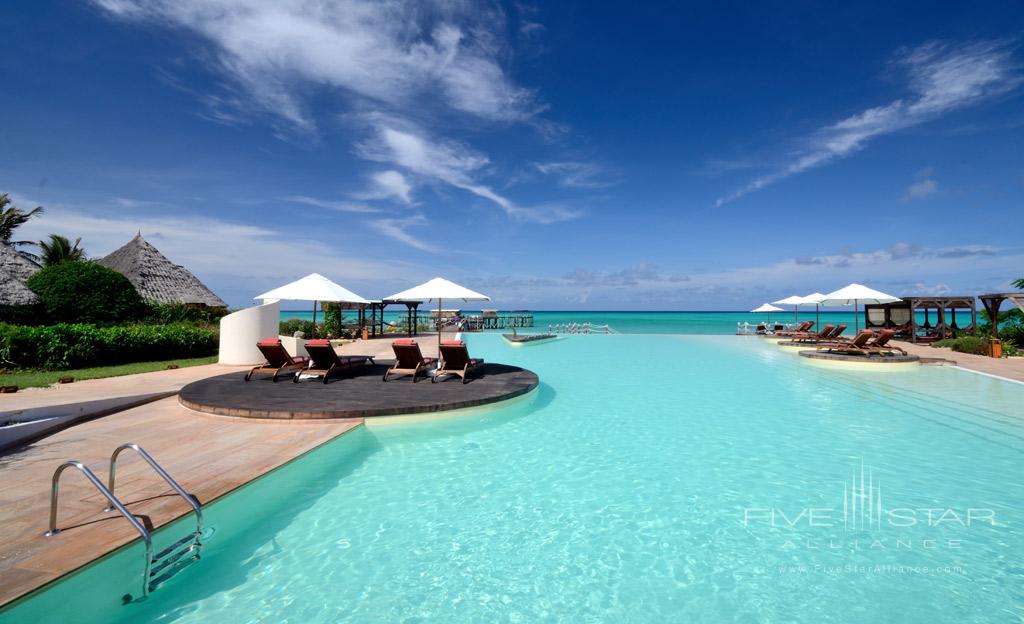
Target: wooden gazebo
{"x": 902, "y": 316}
{"x": 992, "y": 302}
{"x": 376, "y": 322}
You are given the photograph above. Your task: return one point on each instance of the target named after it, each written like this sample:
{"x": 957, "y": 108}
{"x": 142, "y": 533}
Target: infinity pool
{"x": 648, "y": 479}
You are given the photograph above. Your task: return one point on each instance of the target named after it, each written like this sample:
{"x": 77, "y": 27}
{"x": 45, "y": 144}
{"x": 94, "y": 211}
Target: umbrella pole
{"x": 314, "y": 319}
{"x": 817, "y": 314}
{"x": 439, "y": 319}
{"x": 856, "y": 318}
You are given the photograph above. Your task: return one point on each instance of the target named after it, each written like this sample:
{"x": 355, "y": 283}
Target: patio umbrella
{"x": 855, "y": 294}
{"x": 438, "y": 289}
{"x": 815, "y": 299}
{"x": 769, "y": 308}
{"x": 314, "y": 287}
{"x": 794, "y": 301}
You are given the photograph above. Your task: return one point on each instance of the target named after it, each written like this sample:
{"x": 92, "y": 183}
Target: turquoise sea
{"x": 654, "y": 322}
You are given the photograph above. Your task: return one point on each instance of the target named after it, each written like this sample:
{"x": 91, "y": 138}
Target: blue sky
{"x": 565, "y": 155}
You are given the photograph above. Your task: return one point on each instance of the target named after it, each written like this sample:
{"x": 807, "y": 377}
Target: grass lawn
{"x": 41, "y": 379}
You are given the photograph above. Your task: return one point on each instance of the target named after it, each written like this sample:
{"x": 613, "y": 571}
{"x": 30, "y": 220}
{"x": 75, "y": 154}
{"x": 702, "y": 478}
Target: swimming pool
{"x": 648, "y": 479}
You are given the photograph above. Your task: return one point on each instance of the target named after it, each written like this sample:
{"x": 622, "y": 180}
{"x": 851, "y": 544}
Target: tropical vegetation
{"x": 59, "y": 249}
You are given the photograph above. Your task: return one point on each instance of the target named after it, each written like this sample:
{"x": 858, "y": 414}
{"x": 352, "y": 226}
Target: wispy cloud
{"x": 339, "y": 206}
{"x": 390, "y": 52}
{"x": 920, "y": 190}
{"x": 402, "y": 144}
{"x": 941, "y": 78}
{"x": 576, "y": 174}
{"x": 398, "y": 230}
{"x": 388, "y": 185}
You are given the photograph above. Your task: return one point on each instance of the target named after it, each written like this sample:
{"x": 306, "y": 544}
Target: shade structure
{"x": 314, "y": 287}
{"x": 795, "y": 301}
{"x": 815, "y": 300}
{"x": 857, "y": 294}
{"x": 769, "y": 308}
{"x": 438, "y": 289}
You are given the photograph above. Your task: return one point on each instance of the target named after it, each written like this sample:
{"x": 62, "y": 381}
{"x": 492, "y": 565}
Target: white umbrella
{"x": 855, "y": 294}
{"x": 438, "y": 289}
{"x": 314, "y": 287}
{"x": 769, "y": 308}
{"x": 794, "y": 301}
{"x": 815, "y": 299}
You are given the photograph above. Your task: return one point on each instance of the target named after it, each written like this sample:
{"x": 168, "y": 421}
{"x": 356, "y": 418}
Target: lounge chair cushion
{"x": 453, "y": 343}
{"x": 404, "y": 342}
{"x": 269, "y": 342}
{"x": 319, "y": 342}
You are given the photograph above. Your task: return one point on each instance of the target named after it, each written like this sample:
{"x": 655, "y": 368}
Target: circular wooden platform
{"x": 860, "y": 359}
{"x": 362, "y": 396}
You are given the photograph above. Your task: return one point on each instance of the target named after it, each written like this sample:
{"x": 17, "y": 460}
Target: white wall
{"x": 240, "y": 331}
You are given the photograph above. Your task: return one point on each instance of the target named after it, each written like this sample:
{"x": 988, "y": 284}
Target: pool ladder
{"x": 164, "y": 564}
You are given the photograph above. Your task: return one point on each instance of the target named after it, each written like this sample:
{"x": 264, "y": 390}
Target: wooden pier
{"x": 497, "y": 320}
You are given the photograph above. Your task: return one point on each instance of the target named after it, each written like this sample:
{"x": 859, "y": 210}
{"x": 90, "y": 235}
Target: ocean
{"x": 652, "y": 322}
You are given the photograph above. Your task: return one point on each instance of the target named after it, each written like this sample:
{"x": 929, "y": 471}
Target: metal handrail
{"x": 114, "y": 504}
{"x": 160, "y": 471}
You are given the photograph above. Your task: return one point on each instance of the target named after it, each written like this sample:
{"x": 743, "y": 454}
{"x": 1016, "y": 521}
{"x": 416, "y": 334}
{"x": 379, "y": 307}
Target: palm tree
{"x": 11, "y": 217}
{"x": 60, "y": 249}
{"x": 1018, "y": 283}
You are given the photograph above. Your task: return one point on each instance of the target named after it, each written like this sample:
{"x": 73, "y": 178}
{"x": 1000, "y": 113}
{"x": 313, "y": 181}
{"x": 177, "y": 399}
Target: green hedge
{"x": 63, "y": 346}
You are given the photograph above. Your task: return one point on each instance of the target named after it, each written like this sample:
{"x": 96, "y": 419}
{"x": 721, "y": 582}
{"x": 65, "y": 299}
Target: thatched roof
{"x": 157, "y": 278}
{"x": 14, "y": 270}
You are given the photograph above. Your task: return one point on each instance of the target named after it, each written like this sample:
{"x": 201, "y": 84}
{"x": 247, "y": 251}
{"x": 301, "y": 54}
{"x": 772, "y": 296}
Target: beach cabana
{"x": 314, "y": 287}
{"x": 902, "y": 316}
{"x": 157, "y": 278}
{"x": 438, "y": 289}
{"x": 992, "y": 302}
{"x": 856, "y": 294}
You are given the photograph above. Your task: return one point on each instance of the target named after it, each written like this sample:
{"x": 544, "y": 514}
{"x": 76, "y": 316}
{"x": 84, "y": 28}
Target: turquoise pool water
{"x": 649, "y": 479}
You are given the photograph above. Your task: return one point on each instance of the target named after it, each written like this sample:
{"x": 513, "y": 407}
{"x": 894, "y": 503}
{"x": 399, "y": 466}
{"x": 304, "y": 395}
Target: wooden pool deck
{"x": 208, "y": 455}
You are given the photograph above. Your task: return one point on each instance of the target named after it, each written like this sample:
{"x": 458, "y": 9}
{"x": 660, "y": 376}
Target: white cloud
{"x": 398, "y": 230}
{"x": 941, "y": 78}
{"x": 339, "y": 206}
{"x": 394, "y": 52}
{"x": 399, "y": 143}
{"x": 575, "y": 174}
{"x": 387, "y": 185}
{"x": 920, "y": 190}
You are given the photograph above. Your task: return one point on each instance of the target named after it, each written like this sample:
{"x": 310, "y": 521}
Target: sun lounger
{"x": 825, "y": 333}
{"x": 857, "y": 345}
{"x": 880, "y": 345}
{"x": 803, "y": 328}
{"x": 278, "y": 359}
{"x": 409, "y": 360}
{"x": 455, "y": 360}
{"x": 325, "y": 361}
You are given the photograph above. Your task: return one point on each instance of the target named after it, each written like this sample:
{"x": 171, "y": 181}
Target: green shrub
{"x": 965, "y": 344}
{"x": 85, "y": 292}
{"x": 179, "y": 312}
{"x": 289, "y": 327}
{"x": 79, "y": 345}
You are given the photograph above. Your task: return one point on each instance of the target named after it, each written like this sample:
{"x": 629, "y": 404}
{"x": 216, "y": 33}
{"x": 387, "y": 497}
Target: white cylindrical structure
{"x": 240, "y": 331}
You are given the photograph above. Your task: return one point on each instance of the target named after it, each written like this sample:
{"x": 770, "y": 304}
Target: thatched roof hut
{"x": 157, "y": 278}
{"x": 14, "y": 270}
